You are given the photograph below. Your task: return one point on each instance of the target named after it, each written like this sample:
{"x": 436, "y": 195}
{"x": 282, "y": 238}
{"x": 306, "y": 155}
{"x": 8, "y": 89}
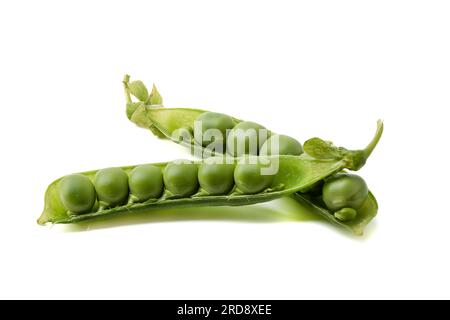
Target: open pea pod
{"x": 164, "y": 122}
{"x": 289, "y": 174}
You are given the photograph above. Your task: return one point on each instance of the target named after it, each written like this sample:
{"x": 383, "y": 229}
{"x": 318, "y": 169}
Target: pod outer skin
{"x": 294, "y": 174}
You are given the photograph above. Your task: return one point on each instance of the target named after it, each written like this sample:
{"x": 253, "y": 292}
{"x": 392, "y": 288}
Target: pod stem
{"x": 371, "y": 146}
{"x": 357, "y": 159}
{"x": 126, "y": 80}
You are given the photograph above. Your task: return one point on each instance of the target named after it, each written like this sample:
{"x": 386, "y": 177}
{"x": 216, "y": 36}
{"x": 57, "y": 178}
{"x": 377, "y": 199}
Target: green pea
{"x": 286, "y": 146}
{"x": 344, "y": 190}
{"x": 146, "y": 182}
{"x": 346, "y": 214}
{"x": 216, "y": 178}
{"x": 213, "y": 121}
{"x": 77, "y": 193}
{"x": 180, "y": 178}
{"x": 246, "y": 138}
{"x": 249, "y": 178}
{"x": 111, "y": 185}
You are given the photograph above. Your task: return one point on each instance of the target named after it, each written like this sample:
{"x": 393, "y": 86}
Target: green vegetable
{"x": 111, "y": 185}
{"x": 281, "y": 144}
{"x": 344, "y": 190}
{"x": 344, "y": 199}
{"x": 291, "y": 174}
{"x": 249, "y": 178}
{"x": 77, "y": 193}
{"x": 180, "y": 178}
{"x": 213, "y": 127}
{"x": 146, "y": 182}
{"x": 216, "y": 177}
{"x": 346, "y": 214}
{"x": 163, "y": 122}
{"x": 246, "y": 138}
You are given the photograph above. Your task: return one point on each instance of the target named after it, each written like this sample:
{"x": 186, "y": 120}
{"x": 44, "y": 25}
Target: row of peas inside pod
{"x": 253, "y": 178}
{"x": 111, "y": 187}
{"x": 214, "y": 131}
{"x": 220, "y": 133}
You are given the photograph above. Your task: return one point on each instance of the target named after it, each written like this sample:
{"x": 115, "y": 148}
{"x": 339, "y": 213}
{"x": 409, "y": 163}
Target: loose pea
{"x": 344, "y": 191}
{"x": 246, "y": 138}
{"x": 279, "y": 144}
{"x": 216, "y": 178}
{"x": 250, "y": 180}
{"x": 345, "y": 214}
{"x": 180, "y": 178}
{"x": 77, "y": 193}
{"x": 146, "y": 182}
{"x": 111, "y": 185}
{"x": 213, "y": 121}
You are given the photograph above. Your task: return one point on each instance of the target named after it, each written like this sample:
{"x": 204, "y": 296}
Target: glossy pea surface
{"x": 246, "y": 138}
{"x": 111, "y": 185}
{"x": 213, "y": 121}
{"x": 279, "y": 144}
{"x": 216, "y": 178}
{"x": 344, "y": 190}
{"x": 77, "y": 193}
{"x": 146, "y": 181}
{"x": 180, "y": 178}
{"x": 249, "y": 178}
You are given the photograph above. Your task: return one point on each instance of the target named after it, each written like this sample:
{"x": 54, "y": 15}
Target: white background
{"x": 326, "y": 68}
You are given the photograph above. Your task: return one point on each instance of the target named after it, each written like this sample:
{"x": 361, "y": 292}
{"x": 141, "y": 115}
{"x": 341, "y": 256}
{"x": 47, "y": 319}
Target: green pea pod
{"x": 165, "y": 121}
{"x": 290, "y": 174}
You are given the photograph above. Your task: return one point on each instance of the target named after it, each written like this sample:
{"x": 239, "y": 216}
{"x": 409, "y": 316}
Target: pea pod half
{"x": 256, "y": 179}
{"x": 176, "y": 123}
